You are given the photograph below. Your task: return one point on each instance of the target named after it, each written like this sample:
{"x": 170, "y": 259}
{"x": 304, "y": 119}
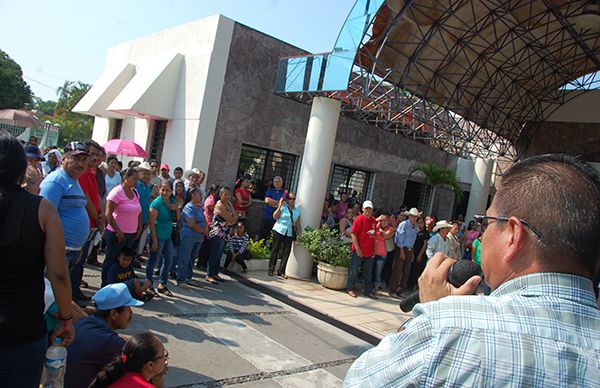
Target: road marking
{"x": 226, "y": 314}
{"x": 264, "y": 353}
{"x": 300, "y": 376}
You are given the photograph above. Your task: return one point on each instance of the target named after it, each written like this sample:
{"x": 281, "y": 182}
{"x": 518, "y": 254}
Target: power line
{"x": 40, "y": 83}
{"x": 43, "y": 72}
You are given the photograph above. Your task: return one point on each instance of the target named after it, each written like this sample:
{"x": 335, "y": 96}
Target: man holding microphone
{"x": 540, "y": 326}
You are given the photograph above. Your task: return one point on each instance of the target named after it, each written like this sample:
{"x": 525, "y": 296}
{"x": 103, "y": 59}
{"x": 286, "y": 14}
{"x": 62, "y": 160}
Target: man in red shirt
{"x": 89, "y": 185}
{"x": 363, "y": 250}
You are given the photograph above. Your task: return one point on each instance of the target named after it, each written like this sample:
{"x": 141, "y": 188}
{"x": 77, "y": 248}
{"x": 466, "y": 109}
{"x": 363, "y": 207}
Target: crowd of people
{"x": 59, "y": 210}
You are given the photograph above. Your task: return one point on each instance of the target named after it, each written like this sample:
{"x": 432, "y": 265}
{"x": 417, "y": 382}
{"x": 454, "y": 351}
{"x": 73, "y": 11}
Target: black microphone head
{"x": 461, "y": 271}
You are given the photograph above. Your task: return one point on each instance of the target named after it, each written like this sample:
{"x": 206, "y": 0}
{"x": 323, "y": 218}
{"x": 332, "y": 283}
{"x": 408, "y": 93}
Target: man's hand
{"x": 433, "y": 283}
{"x": 359, "y": 253}
{"x": 65, "y": 331}
{"x": 120, "y": 236}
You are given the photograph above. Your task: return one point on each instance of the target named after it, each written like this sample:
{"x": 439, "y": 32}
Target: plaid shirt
{"x": 538, "y": 330}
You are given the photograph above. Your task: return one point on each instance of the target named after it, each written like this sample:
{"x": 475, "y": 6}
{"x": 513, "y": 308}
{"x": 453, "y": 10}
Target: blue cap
{"x": 33, "y": 152}
{"x": 114, "y": 296}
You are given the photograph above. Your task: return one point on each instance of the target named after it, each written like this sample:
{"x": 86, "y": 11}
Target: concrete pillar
{"x": 314, "y": 176}
{"x": 480, "y": 187}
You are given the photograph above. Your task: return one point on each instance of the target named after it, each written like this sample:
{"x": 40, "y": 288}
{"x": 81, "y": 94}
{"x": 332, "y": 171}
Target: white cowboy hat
{"x": 414, "y": 212}
{"x": 144, "y": 166}
{"x": 188, "y": 173}
{"x": 441, "y": 225}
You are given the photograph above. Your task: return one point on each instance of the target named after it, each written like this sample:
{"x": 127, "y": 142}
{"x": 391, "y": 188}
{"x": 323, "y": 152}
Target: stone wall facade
{"x": 250, "y": 113}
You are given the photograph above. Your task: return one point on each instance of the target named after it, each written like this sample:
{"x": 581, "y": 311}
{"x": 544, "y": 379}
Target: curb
{"x": 305, "y": 309}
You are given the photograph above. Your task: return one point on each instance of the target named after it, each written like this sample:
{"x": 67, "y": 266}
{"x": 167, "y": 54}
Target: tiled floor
{"x": 376, "y": 317}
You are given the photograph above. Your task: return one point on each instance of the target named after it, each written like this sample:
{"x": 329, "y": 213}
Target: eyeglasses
{"x": 76, "y": 146}
{"x": 165, "y": 356}
{"x": 483, "y": 220}
{"x": 291, "y": 198}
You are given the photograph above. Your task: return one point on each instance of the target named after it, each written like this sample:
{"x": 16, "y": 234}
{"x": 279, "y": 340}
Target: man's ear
{"x": 514, "y": 235}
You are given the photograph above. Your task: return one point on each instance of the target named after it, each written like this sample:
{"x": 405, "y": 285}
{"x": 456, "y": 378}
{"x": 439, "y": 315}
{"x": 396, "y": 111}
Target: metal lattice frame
{"x": 467, "y": 75}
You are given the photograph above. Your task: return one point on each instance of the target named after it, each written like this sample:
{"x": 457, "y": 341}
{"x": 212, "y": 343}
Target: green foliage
{"x": 325, "y": 246}
{"x": 14, "y": 91}
{"x": 258, "y": 250}
{"x": 436, "y": 176}
{"x": 73, "y": 126}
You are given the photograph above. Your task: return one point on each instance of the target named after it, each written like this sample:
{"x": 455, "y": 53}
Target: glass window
{"x": 346, "y": 180}
{"x": 117, "y": 127}
{"x": 416, "y": 195}
{"x": 263, "y": 164}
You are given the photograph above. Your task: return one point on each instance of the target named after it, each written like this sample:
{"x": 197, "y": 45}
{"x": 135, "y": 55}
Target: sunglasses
{"x": 76, "y": 146}
{"x": 484, "y": 221}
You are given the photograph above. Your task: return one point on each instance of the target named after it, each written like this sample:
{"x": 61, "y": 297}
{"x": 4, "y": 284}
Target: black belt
{"x": 410, "y": 249}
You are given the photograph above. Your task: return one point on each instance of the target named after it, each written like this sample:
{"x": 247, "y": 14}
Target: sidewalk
{"x": 373, "y": 317}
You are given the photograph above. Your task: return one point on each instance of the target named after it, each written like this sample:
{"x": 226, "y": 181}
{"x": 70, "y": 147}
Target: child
{"x": 237, "y": 247}
{"x": 122, "y": 272}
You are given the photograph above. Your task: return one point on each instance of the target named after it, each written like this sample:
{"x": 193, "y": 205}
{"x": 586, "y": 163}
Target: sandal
{"x": 151, "y": 291}
{"x": 147, "y": 297}
{"x": 212, "y": 281}
{"x": 218, "y": 278}
{"x": 352, "y": 294}
{"x": 164, "y": 290}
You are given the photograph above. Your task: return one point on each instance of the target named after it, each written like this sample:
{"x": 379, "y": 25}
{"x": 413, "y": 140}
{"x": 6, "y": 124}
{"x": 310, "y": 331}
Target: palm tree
{"x": 436, "y": 176}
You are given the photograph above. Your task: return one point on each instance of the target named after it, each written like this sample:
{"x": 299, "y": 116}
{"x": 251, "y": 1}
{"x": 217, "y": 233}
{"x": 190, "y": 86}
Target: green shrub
{"x": 325, "y": 246}
{"x": 258, "y": 250}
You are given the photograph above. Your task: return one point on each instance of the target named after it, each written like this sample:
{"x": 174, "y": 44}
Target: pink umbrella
{"x": 123, "y": 147}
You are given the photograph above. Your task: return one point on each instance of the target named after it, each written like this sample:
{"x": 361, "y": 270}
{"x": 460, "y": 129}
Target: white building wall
{"x": 190, "y": 131}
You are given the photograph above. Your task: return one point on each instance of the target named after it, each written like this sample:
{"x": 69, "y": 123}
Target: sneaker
{"x": 193, "y": 283}
{"x": 372, "y": 295}
{"x": 185, "y": 286}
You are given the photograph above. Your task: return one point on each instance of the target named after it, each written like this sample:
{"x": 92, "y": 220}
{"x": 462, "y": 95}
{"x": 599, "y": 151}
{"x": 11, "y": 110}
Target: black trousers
{"x": 265, "y": 228}
{"x": 280, "y": 243}
{"x": 238, "y": 259}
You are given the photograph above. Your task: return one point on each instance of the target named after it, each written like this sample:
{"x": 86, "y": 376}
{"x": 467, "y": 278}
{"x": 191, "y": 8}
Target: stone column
{"x": 480, "y": 187}
{"x": 314, "y": 176}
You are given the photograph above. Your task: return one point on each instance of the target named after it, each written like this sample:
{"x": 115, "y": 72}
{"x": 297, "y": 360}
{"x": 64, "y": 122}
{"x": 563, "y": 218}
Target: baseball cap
{"x": 367, "y": 204}
{"x": 165, "y": 166}
{"x": 32, "y": 151}
{"x": 76, "y": 148}
{"x": 114, "y": 296}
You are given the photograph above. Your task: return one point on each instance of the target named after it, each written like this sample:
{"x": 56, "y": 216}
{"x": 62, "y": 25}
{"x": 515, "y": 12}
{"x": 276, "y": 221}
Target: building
{"x": 201, "y": 95}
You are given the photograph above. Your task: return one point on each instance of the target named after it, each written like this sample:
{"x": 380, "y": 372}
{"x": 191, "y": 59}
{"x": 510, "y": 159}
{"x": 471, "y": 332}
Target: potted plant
{"x": 332, "y": 254}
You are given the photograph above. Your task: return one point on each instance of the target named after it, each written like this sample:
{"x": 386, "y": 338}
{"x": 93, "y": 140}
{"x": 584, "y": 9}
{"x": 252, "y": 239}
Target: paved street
{"x": 234, "y": 335}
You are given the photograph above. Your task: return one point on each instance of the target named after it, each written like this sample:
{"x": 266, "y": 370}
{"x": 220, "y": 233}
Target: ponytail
{"x": 110, "y": 373}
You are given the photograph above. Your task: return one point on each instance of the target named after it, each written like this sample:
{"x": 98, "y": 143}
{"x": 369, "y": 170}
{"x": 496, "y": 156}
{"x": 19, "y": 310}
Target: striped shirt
{"x": 238, "y": 244}
{"x": 537, "y": 330}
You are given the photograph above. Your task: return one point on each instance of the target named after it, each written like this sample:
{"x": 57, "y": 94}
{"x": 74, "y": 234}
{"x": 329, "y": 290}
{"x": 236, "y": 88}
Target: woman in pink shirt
{"x": 124, "y": 216}
{"x": 143, "y": 364}
{"x": 383, "y": 232}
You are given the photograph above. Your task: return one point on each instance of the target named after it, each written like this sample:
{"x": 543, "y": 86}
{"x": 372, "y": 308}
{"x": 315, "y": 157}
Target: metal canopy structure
{"x": 461, "y": 75}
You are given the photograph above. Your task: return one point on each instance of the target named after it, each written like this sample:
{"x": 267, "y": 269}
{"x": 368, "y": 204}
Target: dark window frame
{"x": 254, "y": 161}
{"x": 349, "y": 182}
{"x": 157, "y": 144}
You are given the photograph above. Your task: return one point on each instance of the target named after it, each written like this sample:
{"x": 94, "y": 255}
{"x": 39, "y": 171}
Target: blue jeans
{"x": 188, "y": 250}
{"x": 165, "y": 249}
{"x": 217, "y": 246}
{"x": 75, "y": 262}
{"x": 367, "y": 272}
{"x": 113, "y": 247}
{"x": 379, "y": 264}
{"x": 21, "y": 365}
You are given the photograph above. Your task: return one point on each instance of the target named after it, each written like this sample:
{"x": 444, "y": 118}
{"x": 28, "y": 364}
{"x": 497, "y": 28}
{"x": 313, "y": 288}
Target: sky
{"x": 60, "y": 40}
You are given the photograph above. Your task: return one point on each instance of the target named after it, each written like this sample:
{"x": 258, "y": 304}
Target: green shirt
{"x": 164, "y": 221}
{"x": 477, "y": 247}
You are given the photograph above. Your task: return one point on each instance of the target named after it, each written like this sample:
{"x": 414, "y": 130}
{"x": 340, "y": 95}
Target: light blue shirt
{"x": 284, "y": 225}
{"x": 406, "y": 234}
{"x": 68, "y": 198}
{"x": 537, "y": 330}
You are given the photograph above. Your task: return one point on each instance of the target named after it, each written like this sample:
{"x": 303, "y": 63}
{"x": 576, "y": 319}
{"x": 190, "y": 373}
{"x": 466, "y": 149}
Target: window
{"x": 117, "y": 125}
{"x": 158, "y": 139}
{"x": 264, "y": 164}
{"x": 416, "y": 195}
{"x": 347, "y": 180}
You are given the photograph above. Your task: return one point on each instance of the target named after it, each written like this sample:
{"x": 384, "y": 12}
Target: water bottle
{"x": 54, "y": 368}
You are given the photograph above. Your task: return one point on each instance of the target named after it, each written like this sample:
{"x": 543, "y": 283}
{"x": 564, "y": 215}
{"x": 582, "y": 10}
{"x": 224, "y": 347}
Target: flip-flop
{"x": 212, "y": 281}
{"x": 164, "y": 290}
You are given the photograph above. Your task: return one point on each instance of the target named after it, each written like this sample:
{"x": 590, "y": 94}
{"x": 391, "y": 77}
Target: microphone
{"x": 459, "y": 273}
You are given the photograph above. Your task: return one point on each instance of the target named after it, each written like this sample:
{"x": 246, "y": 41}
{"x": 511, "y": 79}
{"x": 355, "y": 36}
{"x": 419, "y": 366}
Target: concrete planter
{"x": 253, "y": 265}
{"x": 335, "y": 278}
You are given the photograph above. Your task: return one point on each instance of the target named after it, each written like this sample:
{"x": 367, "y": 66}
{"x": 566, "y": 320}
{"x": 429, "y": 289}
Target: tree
{"x": 74, "y": 126}
{"x": 436, "y": 176}
{"x": 14, "y": 91}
